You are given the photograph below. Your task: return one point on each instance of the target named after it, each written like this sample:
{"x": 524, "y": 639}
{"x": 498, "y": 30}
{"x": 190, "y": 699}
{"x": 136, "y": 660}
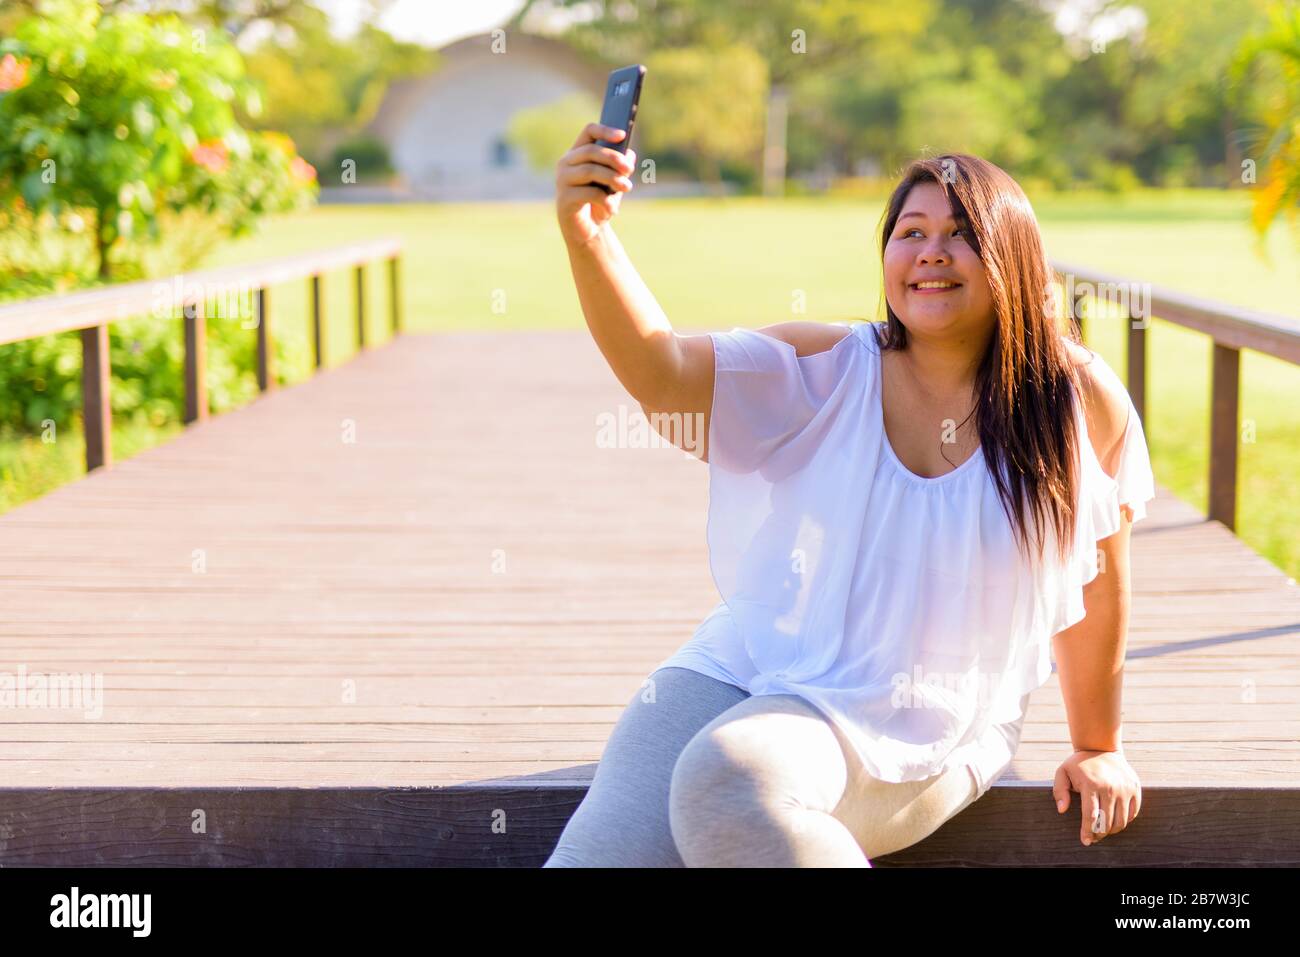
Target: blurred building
{"x": 445, "y": 131}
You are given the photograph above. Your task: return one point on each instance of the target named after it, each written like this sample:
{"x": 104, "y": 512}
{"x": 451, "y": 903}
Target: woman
{"x": 902, "y": 517}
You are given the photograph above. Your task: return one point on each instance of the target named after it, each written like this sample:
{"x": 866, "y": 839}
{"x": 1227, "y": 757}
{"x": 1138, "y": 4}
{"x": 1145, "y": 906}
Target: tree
{"x": 321, "y": 89}
{"x": 795, "y": 39}
{"x": 235, "y": 17}
{"x": 544, "y": 133}
{"x": 1279, "y": 185}
{"x": 130, "y": 117}
{"x": 717, "y": 106}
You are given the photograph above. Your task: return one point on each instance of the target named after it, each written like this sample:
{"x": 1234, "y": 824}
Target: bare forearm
{"x": 1090, "y": 665}
{"x": 626, "y": 322}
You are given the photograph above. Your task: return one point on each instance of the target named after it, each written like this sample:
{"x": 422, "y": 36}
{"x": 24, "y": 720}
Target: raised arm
{"x": 660, "y": 368}
{"x": 626, "y": 322}
{"x": 663, "y": 370}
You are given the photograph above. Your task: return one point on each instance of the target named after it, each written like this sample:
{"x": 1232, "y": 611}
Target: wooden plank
{"x": 196, "y": 363}
{"x": 47, "y": 315}
{"x": 359, "y": 295}
{"x": 470, "y": 726}
{"x": 1224, "y": 419}
{"x": 1221, "y": 826}
{"x": 477, "y": 583}
{"x": 508, "y": 824}
{"x": 317, "y": 322}
{"x": 395, "y": 292}
{"x": 96, "y": 403}
{"x": 283, "y": 827}
{"x": 265, "y": 342}
{"x": 1229, "y": 325}
{"x": 1137, "y": 365}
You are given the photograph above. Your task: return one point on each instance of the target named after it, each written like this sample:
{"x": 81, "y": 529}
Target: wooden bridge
{"x": 389, "y": 616}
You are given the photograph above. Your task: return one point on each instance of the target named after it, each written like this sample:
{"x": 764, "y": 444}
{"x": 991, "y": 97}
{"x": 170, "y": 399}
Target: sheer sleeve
{"x": 1101, "y": 496}
{"x": 786, "y": 450}
{"x": 765, "y": 396}
{"x": 1135, "y": 482}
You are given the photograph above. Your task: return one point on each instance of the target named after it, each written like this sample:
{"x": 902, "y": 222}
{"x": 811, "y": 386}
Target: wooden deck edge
{"x": 517, "y": 826}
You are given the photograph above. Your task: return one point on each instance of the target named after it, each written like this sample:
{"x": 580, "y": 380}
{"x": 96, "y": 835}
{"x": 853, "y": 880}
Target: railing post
{"x": 1137, "y": 364}
{"x": 196, "y": 363}
{"x": 1223, "y": 434}
{"x": 317, "y": 314}
{"x": 394, "y": 292}
{"x": 96, "y": 410}
{"x": 265, "y": 344}
{"x": 361, "y": 305}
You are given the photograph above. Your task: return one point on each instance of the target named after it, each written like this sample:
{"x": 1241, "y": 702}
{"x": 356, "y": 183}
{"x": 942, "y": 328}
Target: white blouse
{"x": 897, "y": 605}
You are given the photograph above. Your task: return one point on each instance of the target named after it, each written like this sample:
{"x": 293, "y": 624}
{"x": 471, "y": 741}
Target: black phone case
{"x": 622, "y": 94}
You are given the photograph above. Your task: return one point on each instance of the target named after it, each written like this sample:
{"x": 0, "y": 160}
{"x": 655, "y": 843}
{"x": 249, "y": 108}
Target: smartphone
{"x": 622, "y": 93}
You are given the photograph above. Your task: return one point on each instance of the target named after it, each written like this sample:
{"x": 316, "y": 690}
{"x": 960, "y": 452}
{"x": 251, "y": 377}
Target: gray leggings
{"x": 699, "y": 773}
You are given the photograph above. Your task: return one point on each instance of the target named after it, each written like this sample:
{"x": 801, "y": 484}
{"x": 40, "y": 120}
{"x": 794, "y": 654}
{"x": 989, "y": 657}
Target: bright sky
{"x": 437, "y": 22}
{"x": 431, "y": 22}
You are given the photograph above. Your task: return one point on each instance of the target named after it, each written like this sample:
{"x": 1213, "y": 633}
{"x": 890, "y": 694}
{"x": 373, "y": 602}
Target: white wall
{"x": 444, "y": 144}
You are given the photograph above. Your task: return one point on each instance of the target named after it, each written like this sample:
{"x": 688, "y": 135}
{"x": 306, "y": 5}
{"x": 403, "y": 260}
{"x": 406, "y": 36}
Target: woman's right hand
{"x": 582, "y": 208}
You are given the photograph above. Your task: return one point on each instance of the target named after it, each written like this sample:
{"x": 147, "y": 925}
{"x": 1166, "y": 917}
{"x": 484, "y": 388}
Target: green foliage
{"x": 882, "y": 81}
{"x": 314, "y": 84}
{"x": 966, "y": 116}
{"x": 1112, "y": 177}
{"x": 123, "y": 118}
{"x": 711, "y": 104}
{"x": 545, "y": 133}
{"x": 1273, "y": 57}
{"x": 40, "y": 379}
{"x": 369, "y": 153}
{"x": 122, "y": 159}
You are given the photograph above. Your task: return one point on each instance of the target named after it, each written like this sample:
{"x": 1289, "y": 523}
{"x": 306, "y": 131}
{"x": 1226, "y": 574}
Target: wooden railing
{"x": 186, "y": 296}
{"x": 1231, "y": 329}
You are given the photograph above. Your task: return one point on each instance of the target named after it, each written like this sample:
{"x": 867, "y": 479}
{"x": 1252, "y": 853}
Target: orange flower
{"x": 13, "y": 73}
{"x": 212, "y": 155}
{"x": 280, "y": 141}
{"x": 302, "y": 170}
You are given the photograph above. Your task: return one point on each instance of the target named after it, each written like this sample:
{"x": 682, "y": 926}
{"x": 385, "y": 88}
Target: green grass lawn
{"x": 720, "y": 263}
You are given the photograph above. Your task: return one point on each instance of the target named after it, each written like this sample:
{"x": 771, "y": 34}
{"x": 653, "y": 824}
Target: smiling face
{"x": 934, "y": 281}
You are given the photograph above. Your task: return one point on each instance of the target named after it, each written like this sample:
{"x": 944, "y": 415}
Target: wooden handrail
{"x": 184, "y": 296}
{"x": 1229, "y": 327}
{"x": 78, "y": 310}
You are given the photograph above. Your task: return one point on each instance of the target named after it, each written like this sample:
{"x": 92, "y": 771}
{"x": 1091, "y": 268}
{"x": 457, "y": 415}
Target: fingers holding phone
{"x": 590, "y": 182}
{"x": 622, "y": 98}
{"x": 593, "y": 175}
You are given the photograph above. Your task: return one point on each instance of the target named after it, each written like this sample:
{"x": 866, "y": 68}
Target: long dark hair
{"x": 1027, "y": 385}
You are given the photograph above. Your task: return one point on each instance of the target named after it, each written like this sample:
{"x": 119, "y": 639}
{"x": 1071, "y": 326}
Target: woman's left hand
{"x": 1106, "y": 783}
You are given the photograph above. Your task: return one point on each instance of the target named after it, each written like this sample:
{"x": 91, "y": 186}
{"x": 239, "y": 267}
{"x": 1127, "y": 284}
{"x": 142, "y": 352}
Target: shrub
{"x": 121, "y": 158}
{"x": 124, "y": 117}
{"x": 368, "y": 153}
